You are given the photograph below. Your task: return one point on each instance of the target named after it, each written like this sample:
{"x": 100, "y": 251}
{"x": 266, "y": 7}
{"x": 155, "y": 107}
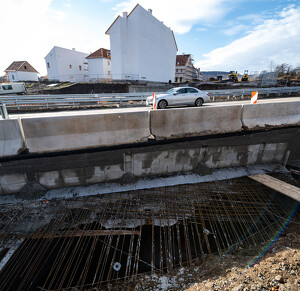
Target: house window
{"x": 176, "y": 80}
{"x": 70, "y": 66}
{"x": 79, "y": 68}
{"x": 48, "y": 65}
{"x": 25, "y": 67}
{"x": 13, "y": 77}
{"x": 176, "y": 70}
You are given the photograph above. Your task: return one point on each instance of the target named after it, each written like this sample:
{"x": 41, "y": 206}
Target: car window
{"x": 192, "y": 90}
{"x": 181, "y": 91}
{"x": 171, "y": 91}
{"x": 7, "y": 87}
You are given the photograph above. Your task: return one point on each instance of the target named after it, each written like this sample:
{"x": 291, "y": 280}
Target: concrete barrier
{"x": 188, "y": 122}
{"x": 65, "y": 133}
{"x": 268, "y": 115}
{"x": 11, "y": 138}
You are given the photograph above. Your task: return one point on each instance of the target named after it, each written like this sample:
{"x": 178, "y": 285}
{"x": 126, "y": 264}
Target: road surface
{"x": 139, "y": 109}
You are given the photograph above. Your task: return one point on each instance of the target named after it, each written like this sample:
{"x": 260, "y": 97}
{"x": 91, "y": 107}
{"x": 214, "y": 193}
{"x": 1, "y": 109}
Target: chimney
{"x": 150, "y": 11}
{"x": 125, "y": 14}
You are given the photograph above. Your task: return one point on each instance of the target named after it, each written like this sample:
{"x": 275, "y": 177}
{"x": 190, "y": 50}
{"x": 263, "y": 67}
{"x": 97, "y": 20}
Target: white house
{"x": 99, "y": 65}
{"x": 142, "y": 47}
{"x": 185, "y": 70}
{"x": 21, "y": 71}
{"x": 66, "y": 65}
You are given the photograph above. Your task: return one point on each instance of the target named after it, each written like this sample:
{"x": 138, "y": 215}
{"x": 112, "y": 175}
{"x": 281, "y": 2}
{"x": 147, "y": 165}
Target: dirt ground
{"x": 248, "y": 268}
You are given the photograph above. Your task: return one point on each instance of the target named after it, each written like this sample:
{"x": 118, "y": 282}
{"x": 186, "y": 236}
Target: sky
{"x": 221, "y": 35}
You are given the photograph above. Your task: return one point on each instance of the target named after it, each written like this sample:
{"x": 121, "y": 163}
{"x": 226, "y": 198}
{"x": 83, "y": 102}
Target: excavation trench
{"x": 87, "y": 242}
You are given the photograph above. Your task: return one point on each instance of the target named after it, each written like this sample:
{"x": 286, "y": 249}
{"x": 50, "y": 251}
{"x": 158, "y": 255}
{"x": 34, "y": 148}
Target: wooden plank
{"x": 278, "y": 185}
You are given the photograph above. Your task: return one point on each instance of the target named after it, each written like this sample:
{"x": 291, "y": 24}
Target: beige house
{"x": 185, "y": 70}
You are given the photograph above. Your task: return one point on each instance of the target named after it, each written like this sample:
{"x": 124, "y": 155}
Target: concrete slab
{"x": 11, "y": 138}
{"x": 188, "y": 122}
{"x": 65, "y": 133}
{"x": 268, "y": 115}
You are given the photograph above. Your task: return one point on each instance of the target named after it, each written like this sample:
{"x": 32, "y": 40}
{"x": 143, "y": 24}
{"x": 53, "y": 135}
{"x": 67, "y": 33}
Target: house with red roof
{"x": 99, "y": 65}
{"x": 21, "y": 71}
{"x": 185, "y": 70}
{"x": 142, "y": 47}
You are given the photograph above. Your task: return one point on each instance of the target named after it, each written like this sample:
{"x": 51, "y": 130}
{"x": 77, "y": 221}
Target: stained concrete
{"x": 198, "y": 156}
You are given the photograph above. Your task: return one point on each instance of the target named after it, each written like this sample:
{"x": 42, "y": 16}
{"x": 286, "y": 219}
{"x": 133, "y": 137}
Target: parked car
{"x": 179, "y": 96}
{"x": 12, "y": 88}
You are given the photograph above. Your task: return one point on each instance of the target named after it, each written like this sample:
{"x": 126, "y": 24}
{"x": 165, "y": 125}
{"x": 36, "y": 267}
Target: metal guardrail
{"x": 261, "y": 91}
{"x": 96, "y": 99}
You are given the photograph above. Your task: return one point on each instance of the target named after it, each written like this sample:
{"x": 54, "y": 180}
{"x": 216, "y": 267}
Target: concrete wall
{"x": 11, "y": 138}
{"x": 126, "y": 165}
{"x": 65, "y": 133}
{"x": 269, "y": 115}
{"x": 187, "y": 122}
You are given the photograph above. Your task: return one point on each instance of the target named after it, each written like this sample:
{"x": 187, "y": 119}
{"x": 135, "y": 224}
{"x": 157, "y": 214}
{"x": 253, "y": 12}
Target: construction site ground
{"x": 268, "y": 266}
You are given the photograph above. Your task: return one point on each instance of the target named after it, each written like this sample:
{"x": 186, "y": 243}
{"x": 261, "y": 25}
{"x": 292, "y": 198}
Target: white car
{"x": 179, "y": 96}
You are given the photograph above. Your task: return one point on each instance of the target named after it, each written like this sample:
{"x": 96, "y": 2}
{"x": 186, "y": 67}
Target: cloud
{"x": 33, "y": 27}
{"x": 235, "y": 29}
{"x": 181, "y": 16}
{"x": 276, "y": 40}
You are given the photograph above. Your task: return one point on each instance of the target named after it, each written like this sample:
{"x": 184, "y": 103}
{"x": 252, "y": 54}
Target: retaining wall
{"x": 34, "y": 176}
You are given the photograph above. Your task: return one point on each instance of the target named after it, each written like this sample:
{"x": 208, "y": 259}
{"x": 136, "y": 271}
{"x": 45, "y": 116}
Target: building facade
{"x": 142, "y": 47}
{"x": 99, "y": 65}
{"x": 21, "y": 71}
{"x": 66, "y": 65}
{"x": 185, "y": 70}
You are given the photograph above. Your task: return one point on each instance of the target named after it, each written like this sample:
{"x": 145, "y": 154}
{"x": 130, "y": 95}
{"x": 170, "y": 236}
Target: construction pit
{"x": 125, "y": 240}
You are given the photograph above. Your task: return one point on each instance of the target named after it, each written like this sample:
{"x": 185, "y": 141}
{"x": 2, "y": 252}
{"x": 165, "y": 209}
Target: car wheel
{"x": 162, "y": 104}
{"x": 199, "y": 102}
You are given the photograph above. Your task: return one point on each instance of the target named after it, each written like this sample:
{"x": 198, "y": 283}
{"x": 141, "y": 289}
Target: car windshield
{"x": 171, "y": 91}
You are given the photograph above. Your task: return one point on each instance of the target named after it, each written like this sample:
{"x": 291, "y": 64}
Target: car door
{"x": 191, "y": 96}
{"x": 179, "y": 97}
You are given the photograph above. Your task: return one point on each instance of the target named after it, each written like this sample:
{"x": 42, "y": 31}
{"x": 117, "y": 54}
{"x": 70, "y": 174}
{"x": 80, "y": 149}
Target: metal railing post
{"x": 3, "y": 111}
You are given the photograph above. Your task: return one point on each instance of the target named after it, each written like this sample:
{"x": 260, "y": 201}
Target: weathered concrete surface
{"x": 12, "y": 183}
{"x": 279, "y": 114}
{"x": 52, "y": 134}
{"x": 131, "y": 164}
{"x": 188, "y": 122}
{"x": 11, "y": 138}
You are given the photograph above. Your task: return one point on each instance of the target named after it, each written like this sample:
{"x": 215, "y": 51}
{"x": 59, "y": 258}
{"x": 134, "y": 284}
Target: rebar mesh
{"x": 89, "y": 241}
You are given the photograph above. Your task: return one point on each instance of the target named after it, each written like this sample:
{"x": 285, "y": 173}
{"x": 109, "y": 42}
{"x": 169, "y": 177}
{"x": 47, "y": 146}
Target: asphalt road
{"x": 139, "y": 109}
